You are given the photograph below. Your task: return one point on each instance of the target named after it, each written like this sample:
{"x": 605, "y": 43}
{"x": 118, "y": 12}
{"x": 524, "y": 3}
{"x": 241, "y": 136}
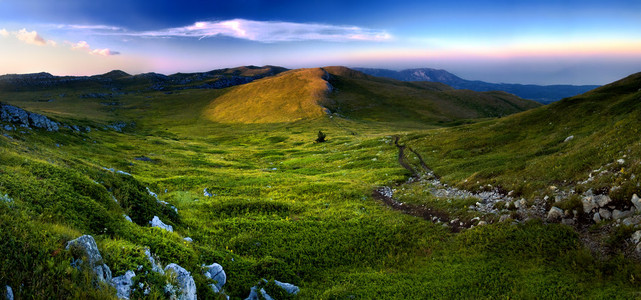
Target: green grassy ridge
{"x": 526, "y": 152}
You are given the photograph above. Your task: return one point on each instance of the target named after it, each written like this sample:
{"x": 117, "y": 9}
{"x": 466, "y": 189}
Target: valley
{"x": 228, "y": 159}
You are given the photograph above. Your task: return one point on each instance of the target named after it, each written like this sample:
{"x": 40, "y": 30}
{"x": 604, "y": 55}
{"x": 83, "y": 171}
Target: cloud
{"x": 83, "y": 45}
{"x": 4, "y": 32}
{"x": 30, "y": 37}
{"x": 259, "y": 31}
{"x": 104, "y": 52}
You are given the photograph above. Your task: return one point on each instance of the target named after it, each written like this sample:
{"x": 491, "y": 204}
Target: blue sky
{"x": 542, "y": 42}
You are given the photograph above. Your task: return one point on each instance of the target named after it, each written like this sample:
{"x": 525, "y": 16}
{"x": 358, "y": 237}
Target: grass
{"x": 290, "y": 209}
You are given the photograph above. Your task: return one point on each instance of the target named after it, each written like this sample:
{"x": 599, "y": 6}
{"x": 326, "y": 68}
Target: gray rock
{"x": 602, "y": 200}
{"x": 123, "y": 284}
{"x": 636, "y": 236}
{"x": 638, "y": 248}
{"x": 5, "y": 198}
{"x": 156, "y": 222}
{"x": 288, "y": 287}
{"x": 588, "y": 203}
{"x": 186, "y": 284}
{"x": 206, "y": 193}
{"x": 156, "y": 267}
{"x": 216, "y": 272}
{"x": 634, "y": 220}
{"x": 9, "y": 293}
{"x": 605, "y": 214}
{"x": 481, "y": 223}
{"x": 128, "y": 218}
{"x": 569, "y": 138}
{"x": 617, "y": 214}
{"x": 636, "y": 201}
{"x": 555, "y": 214}
{"x": 188, "y": 239}
{"x": 596, "y": 218}
{"x": 89, "y": 250}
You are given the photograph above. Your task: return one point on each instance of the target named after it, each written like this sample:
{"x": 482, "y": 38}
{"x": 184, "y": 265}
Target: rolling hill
{"x": 311, "y": 93}
{"x": 542, "y": 93}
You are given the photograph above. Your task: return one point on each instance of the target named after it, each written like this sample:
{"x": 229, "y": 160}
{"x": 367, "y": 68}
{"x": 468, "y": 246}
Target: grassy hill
{"x": 308, "y": 93}
{"x": 284, "y": 207}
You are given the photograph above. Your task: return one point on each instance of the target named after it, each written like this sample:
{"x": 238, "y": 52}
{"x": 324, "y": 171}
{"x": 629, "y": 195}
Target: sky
{"x": 537, "y": 42}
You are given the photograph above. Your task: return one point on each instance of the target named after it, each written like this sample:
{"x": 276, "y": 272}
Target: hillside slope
{"x": 310, "y": 93}
{"x": 587, "y": 142}
{"x": 542, "y": 93}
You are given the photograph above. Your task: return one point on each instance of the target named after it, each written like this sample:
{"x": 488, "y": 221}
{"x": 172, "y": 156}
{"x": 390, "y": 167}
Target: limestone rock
{"x": 186, "y": 284}
{"x": 569, "y": 222}
{"x": 88, "y": 250}
{"x": 569, "y": 138}
{"x": 602, "y": 200}
{"x": 188, "y": 239}
{"x": 588, "y": 203}
{"x": 636, "y": 236}
{"x": 123, "y": 284}
{"x": 128, "y": 218}
{"x": 605, "y": 214}
{"x": 636, "y": 201}
{"x": 156, "y": 222}
{"x": 555, "y": 214}
{"x": 634, "y": 220}
{"x": 596, "y": 218}
{"x": 617, "y": 214}
{"x": 288, "y": 287}
{"x": 216, "y": 272}
{"x": 16, "y": 115}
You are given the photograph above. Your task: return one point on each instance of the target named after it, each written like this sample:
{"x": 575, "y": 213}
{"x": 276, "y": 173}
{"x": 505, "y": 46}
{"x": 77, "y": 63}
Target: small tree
{"x": 321, "y": 137}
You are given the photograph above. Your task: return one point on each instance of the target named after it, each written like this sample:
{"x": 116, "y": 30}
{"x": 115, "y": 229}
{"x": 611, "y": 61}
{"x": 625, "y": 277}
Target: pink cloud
{"x": 83, "y": 45}
{"x": 30, "y": 37}
{"x": 4, "y": 32}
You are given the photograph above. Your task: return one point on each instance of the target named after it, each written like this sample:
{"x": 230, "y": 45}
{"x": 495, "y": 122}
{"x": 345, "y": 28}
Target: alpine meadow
{"x": 321, "y": 173}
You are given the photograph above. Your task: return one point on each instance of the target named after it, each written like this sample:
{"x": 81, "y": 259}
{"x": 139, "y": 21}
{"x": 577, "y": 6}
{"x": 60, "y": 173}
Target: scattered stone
{"x": 186, "y": 284}
{"x": 143, "y": 158}
{"x": 89, "y": 250}
{"x": 216, "y": 272}
{"x": 636, "y": 201}
{"x": 555, "y": 214}
{"x": 596, "y": 218}
{"x": 206, "y": 193}
{"x": 605, "y": 214}
{"x": 504, "y": 218}
{"x": 634, "y": 220}
{"x": 123, "y": 284}
{"x": 617, "y": 214}
{"x": 569, "y": 138}
{"x": 128, "y": 218}
{"x": 152, "y": 194}
{"x": 9, "y": 293}
{"x": 156, "y": 222}
{"x": 569, "y": 222}
{"x": 6, "y": 198}
{"x": 588, "y": 203}
{"x": 621, "y": 161}
{"x": 288, "y": 287}
{"x": 636, "y": 236}
{"x": 188, "y": 239}
{"x": 602, "y": 200}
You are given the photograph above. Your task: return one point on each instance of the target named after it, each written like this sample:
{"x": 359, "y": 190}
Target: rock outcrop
{"x": 186, "y": 284}
{"x": 216, "y": 272}
{"x": 156, "y": 222}
{"x": 8, "y": 293}
{"x": 85, "y": 247}
{"x": 255, "y": 290}
{"x": 123, "y": 284}
{"x": 21, "y": 117}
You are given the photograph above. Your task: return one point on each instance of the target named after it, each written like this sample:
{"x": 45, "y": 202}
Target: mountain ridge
{"x": 541, "y": 93}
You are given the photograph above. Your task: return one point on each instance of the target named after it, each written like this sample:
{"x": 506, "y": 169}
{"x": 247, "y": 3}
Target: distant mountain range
{"x": 541, "y": 93}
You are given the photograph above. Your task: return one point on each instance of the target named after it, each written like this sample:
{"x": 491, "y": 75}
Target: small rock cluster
{"x": 16, "y": 115}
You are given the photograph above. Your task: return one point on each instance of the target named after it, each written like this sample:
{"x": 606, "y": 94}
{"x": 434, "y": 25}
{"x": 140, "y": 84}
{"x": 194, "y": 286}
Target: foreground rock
{"x": 216, "y": 273}
{"x": 156, "y": 222}
{"x": 156, "y": 267}
{"x": 123, "y": 284}
{"x": 255, "y": 290}
{"x": 186, "y": 284}
{"x": 85, "y": 247}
